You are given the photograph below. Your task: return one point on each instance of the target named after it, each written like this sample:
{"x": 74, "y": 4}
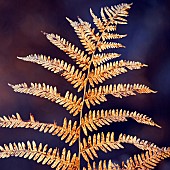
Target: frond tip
{"x": 111, "y": 17}
{"x": 71, "y": 102}
{"x": 41, "y": 154}
{"x": 85, "y": 33}
{"x": 69, "y": 131}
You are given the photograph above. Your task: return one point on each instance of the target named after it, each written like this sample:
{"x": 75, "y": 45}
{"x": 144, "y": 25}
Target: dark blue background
{"x": 21, "y": 23}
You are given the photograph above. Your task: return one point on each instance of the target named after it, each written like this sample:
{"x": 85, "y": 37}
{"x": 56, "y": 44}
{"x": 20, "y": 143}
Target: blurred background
{"x": 21, "y": 23}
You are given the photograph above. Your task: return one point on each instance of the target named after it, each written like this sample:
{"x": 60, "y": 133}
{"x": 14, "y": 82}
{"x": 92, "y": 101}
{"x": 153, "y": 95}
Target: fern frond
{"x": 69, "y": 131}
{"x": 107, "y": 45}
{"x": 114, "y": 15}
{"x": 41, "y": 154}
{"x": 111, "y": 17}
{"x": 74, "y": 52}
{"x": 86, "y": 34}
{"x": 103, "y": 165}
{"x": 146, "y": 161}
{"x": 70, "y": 102}
{"x": 99, "y": 141}
{"x": 117, "y": 12}
{"x": 88, "y": 149}
{"x": 92, "y": 71}
{"x": 69, "y": 72}
{"x": 97, "y": 21}
{"x": 112, "y": 69}
{"x": 51, "y": 64}
{"x": 101, "y": 58}
{"x": 109, "y": 36}
{"x": 99, "y": 118}
{"x": 97, "y": 95}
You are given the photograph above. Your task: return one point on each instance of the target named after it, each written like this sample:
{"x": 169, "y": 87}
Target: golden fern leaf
{"x": 111, "y": 17}
{"x": 99, "y": 141}
{"x": 69, "y": 131}
{"x": 90, "y": 150}
{"x": 107, "y": 45}
{"x": 101, "y": 58}
{"x": 51, "y": 64}
{"x": 41, "y": 154}
{"x": 116, "y": 13}
{"x": 112, "y": 69}
{"x": 109, "y": 36}
{"x": 99, "y": 118}
{"x": 74, "y": 52}
{"x": 71, "y": 102}
{"x": 114, "y": 17}
{"x": 97, "y": 21}
{"x": 103, "y": 165}
{"x": 97, "y": 95}
{"x": 146, "y": 161}
{"x": 86, "y": 34}
{"x": 69, "y": 72}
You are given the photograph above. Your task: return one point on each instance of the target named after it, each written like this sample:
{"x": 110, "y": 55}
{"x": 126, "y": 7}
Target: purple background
{"x": 21, "y": 23}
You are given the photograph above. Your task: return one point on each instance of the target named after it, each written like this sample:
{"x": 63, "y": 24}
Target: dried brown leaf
{"x": 97, "y": 95}
{"x": 42, "y": 154}
{"x": 69, "y": 131}
{"x": 69, "y": 72}
{"x": 112, "y": 69}
{"x": 99, "y": 118}
{"x": 70, "y": 101}
{"x": 98, "y": 142}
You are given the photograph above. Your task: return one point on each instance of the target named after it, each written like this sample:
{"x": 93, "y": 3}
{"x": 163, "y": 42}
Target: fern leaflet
{"x": 41, "y": 154}
{"x": 69, "y": 101}
{"x": 69, "y": 131}
{"x": 99, "y": 118}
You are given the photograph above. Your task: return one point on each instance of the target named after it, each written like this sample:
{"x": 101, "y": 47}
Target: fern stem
{"x": 81, "y": 113}
{"x": 84, "y": 93}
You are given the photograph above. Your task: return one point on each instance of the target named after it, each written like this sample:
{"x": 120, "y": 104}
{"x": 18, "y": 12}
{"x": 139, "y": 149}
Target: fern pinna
{"x": 95, "y": 66}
